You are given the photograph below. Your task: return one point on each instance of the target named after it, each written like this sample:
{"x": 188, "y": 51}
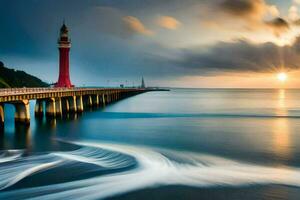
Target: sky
{"x": 190, "y": 43}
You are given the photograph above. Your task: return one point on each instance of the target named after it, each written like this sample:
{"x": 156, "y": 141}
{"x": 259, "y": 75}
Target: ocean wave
{"x": 9, "y": 155}
{"x": 149, "y": 167}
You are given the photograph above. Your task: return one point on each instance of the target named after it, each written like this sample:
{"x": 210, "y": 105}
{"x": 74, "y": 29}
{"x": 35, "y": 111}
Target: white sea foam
{"x": 9, "y": 155}
{"x": 18, "y": 168}
{"x": 154, "y": 167}
{"x": 96, "y": 156}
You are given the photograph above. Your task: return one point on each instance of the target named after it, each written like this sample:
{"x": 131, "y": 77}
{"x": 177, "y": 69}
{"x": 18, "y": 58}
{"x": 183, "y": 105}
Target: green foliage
{"x": 15, "y": 78}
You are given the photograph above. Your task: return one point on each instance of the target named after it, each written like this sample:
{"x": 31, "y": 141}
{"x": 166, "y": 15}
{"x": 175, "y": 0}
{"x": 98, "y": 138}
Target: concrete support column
{"x": 1, "y": 114}
{"x": 107, "y": 98}
{"x": 51, "y": 107}
{"x": 72, "y": 104}
{"x": 95, "y": 100}
{"x": 65, "y": 105}
{"x": 79, "y": 104}
{"x": 58, "y": 107}
{"x": 22, "y": 114}
{"x": 39, "y": 108}
{"x": 103, "y": 102}
{"x": 112, "y": 97}
{"x": 88, "y": 102}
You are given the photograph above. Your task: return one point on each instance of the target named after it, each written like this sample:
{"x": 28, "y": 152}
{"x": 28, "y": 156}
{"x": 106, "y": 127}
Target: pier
{"x": 55, "y": 102}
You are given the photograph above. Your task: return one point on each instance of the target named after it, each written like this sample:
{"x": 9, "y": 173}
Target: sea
{"x": 226, "y": 144}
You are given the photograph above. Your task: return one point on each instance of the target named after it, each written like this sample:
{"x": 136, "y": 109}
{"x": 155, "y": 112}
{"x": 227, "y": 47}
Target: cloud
{"x": 246, "y": 15}
{"x": 103, "y": 20}
{"x": 136, "y": 26}
{"x": 273, "y": 10}
{"x": 251, "y": 10}
{"x": 228, "y": 16}
{"x": 278, "y": 25}
{"x": 168, "y": 22}
{"x": 244, "y": 8}
{"x": 296, "y": 1}
{"x": 293, "y": 13}
{"x": 238, "y": 56}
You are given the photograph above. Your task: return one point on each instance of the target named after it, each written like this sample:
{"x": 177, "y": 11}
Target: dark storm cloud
{"x": 279, "y": 23}
{"x": 241, "y": 56}
{"x": 249, "y": 15}
{"x": 241, "y": 7}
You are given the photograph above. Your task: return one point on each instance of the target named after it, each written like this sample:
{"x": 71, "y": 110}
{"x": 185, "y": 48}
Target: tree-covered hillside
{"x": 15, "y": 78}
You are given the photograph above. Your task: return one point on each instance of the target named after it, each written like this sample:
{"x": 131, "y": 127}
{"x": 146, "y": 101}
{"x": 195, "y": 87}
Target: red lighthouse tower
{"x": 64, "y": 45}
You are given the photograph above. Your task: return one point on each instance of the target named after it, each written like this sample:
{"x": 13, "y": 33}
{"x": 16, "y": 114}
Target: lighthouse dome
{"x": 64, "y": 29}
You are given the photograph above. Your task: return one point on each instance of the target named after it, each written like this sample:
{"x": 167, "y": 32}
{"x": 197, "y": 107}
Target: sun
{"x": 282, "y": 77}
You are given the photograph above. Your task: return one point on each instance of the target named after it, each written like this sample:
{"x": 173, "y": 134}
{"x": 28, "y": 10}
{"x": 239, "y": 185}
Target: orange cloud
{"x": 251, "y": 9}
{"x": 136, "y": 26}
{"x": 273, "y": 11}
{"x": 246, "y": 15}
{"x": 279, "y": 26}
{"x": 168, "y": 22}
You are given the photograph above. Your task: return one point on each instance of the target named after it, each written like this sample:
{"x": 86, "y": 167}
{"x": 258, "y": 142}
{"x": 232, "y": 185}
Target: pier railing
{"x": 21, "y": 91}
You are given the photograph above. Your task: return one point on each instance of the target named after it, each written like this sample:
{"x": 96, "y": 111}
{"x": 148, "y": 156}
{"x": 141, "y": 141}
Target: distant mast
{"x": 143, "y": 83}
{"x": 64, "y": 45}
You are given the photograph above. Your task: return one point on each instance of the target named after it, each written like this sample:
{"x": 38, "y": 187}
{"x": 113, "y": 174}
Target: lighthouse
{"x": 64, "y": 45}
